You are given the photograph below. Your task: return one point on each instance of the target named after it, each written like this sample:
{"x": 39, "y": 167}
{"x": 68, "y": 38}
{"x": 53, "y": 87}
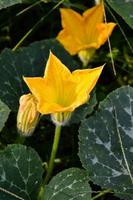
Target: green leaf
{"x": 7, "y": 3}
{"x": 106, "y": 143}
{"x": 20, "y": 173}
{"x": 69, "y": 185}
{"x": 27, "y": 61}
{"x": 124, "y": 8}
{"x": 4, "y": 113}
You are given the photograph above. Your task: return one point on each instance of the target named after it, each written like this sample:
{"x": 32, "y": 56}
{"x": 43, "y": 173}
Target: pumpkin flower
{"x": 28, "y": 116}
{"x": 59, "y": 92}
{"x": 83, "y": 34}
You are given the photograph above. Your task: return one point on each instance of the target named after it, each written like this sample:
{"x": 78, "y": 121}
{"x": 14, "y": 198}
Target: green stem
{"x": 35, "y": 26}
{"x": 28, "y": 8}
{"x": 101, "y": 194}
{"x": 53, "y": 153}
{"x": 20, "y": 139}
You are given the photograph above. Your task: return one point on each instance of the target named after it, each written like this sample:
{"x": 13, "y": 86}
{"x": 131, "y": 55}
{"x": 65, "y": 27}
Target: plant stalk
{"x": 53, "y": 153}
{"x": 101, "y": 194}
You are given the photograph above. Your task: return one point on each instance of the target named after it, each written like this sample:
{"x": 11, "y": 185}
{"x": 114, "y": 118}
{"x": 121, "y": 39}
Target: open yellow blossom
{"x": 83, "y": 34}
{"x": 59, "y": 92}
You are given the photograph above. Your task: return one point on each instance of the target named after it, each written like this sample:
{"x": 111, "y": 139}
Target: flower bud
{"x": 61, "y": 118}
{"x": 86, "y": 55}
{"x": 28, "y": 116}
{"x": 97, "y": 2}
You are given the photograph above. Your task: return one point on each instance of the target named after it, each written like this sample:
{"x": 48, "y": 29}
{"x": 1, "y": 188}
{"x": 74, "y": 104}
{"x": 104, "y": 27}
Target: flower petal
{"x": 49, "y": 108}
{"x": 55, "y": 68}
{"x": 86, "y": 79}
{"x": 72, "y": 21}
{"x": 68, "y": 41}
{"x": 36, "y": 85}
{"x": 56, "y": 74}
{"x": 47, "y": 97}
{"x": 95, "y": 13}
{"x": 105, "y": 30}
{"x": 72, "y": 36}
{"x": 41, "y": 89}
{"x": 92, "y": 17}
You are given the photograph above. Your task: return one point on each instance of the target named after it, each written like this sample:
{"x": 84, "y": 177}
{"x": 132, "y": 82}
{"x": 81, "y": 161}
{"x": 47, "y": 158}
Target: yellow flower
{"x": 59, "y": 92}
{"x": 85, "y": 32}
{"x": 28, "y": 116}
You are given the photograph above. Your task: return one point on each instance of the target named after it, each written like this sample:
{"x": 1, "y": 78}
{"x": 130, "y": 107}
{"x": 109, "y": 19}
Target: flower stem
{"x": 53, "y": 153}
{"x": 20, "y": 139}
{"x": 36, "y": 26}
{"x": 101, "y": 194}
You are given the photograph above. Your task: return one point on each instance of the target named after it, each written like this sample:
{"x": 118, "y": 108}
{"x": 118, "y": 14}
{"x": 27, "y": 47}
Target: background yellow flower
{"x": 84, "y": 32}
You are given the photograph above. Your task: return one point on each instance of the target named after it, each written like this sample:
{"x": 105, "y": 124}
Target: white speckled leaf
{"x": 106, "y": 143}
{"x": 20, "y": 173}
{"x": 27, "y": 61}
{"x": 71, "y": 184}
{"x": 4, "y": 113}
{"x": 124, "y": 8}
{"x": 7, "y": 3}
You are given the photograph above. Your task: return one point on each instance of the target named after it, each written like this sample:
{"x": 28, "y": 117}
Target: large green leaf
{"x": 124, "y": 8}
{"x": 106, "y": 143}
{"x": 69, "y": 185}
{"x": 20, "y": 173}
{"x": 7, "y": 3}
{"x": 27, "y": 61}
{"x": 4, "y": 113}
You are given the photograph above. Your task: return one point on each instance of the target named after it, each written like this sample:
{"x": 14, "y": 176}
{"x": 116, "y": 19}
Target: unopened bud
{"x": 86, "y": 55}
{"x": 28, "y": 116}
{"x": 61, "y": 118}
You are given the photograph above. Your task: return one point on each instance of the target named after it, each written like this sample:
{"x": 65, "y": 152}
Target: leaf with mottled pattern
{"x": 70, "y": 184}
{"x": 20, "y": 173}
{"x": 124, "y": 8}
{"x": 4, "y": 113}
{"x": 106, "y": 143}
{"x": 7, "y": 3}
